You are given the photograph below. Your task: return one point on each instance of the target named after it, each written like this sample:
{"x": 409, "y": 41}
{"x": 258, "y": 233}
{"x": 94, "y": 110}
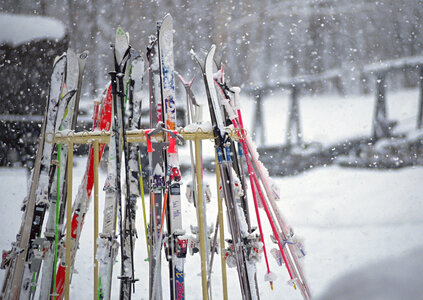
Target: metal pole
{"x": 95, "y": 218}
{"x": 201, "y": 220}
{"x": 222, "y": 233}
{"x": 68, "y": 220}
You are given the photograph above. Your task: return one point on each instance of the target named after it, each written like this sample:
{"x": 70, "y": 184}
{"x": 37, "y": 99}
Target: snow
{"x": 361, "y": 228}
{"x": 398, "y": 276}
{"x": 199, "y": 127}
{"x": 20, "y": 29}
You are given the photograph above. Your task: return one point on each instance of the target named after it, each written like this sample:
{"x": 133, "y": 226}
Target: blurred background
{"x": 263, "y": 43}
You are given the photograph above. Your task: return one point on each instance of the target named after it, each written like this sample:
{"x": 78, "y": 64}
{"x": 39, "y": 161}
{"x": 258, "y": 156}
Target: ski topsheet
{"x": 132, "y": 166}
{"x": 156, "y": 174}
{"x": 107, "y": 245}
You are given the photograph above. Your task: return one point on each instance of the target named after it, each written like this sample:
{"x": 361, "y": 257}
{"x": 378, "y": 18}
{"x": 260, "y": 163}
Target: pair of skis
{"x": 129, "y": 69}
{"x": 164, "y": 182}
{"x": 25, "y": 259}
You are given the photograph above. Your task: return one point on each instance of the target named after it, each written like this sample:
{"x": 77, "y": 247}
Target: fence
{"x": 382, "y": 126}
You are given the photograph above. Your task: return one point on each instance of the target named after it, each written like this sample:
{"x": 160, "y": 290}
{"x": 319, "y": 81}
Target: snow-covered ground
{"x": 349, "y": 218}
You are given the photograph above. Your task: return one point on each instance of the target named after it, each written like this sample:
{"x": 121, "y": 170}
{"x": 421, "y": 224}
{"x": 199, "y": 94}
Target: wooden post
{"x": 221, "y": 233}
{"x": 379, "y": 117}
{"x": 201, "y": 219}
{"x": 95, "y": 218}
{"x": 258, "y": 123}
{"x": 420, "y": 115}
{"x": 68, "y": 220}
{"x": 293, "y": 129}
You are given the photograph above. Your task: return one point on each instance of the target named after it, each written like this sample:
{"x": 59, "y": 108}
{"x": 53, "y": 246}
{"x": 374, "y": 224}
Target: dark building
{"x": 28, "y": 46}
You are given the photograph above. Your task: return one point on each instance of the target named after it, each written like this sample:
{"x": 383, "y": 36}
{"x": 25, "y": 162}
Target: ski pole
{"x": 143, "y": 204}
{"x": 96, "y": 155}
{"x": 69, "y": 221}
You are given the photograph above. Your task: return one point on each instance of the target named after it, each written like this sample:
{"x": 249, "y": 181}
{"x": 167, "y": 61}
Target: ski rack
{"x": 134, "y": 136}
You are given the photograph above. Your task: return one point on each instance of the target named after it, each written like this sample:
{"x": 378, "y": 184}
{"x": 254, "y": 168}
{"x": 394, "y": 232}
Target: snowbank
{"x": 397, "y": 278}
{"x": 19, "y": 29}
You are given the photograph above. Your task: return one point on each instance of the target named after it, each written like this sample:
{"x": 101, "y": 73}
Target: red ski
{"x": 101, "y": 122}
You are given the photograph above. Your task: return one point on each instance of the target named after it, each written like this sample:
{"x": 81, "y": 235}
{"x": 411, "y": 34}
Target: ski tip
{"x": 167, "y": 18}
{"x": 209, "y": 57}
{"x": 59, "y": 57}
{"x": 120, "y": 31}
{"x": 212, "y": 50}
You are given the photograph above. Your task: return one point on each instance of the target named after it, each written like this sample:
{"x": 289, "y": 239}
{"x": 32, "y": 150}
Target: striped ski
{"x": 176, "y": 243}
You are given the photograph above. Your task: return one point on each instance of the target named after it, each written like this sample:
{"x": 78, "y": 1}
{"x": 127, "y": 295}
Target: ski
{"x": 107, "y": 245}
{"x": 101, "y": 121}
{"x": 176, "y": 240}
{"x": 128, "y": 234}
{"x": 132, "y": 168}
{"x": 156, "y": 172}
